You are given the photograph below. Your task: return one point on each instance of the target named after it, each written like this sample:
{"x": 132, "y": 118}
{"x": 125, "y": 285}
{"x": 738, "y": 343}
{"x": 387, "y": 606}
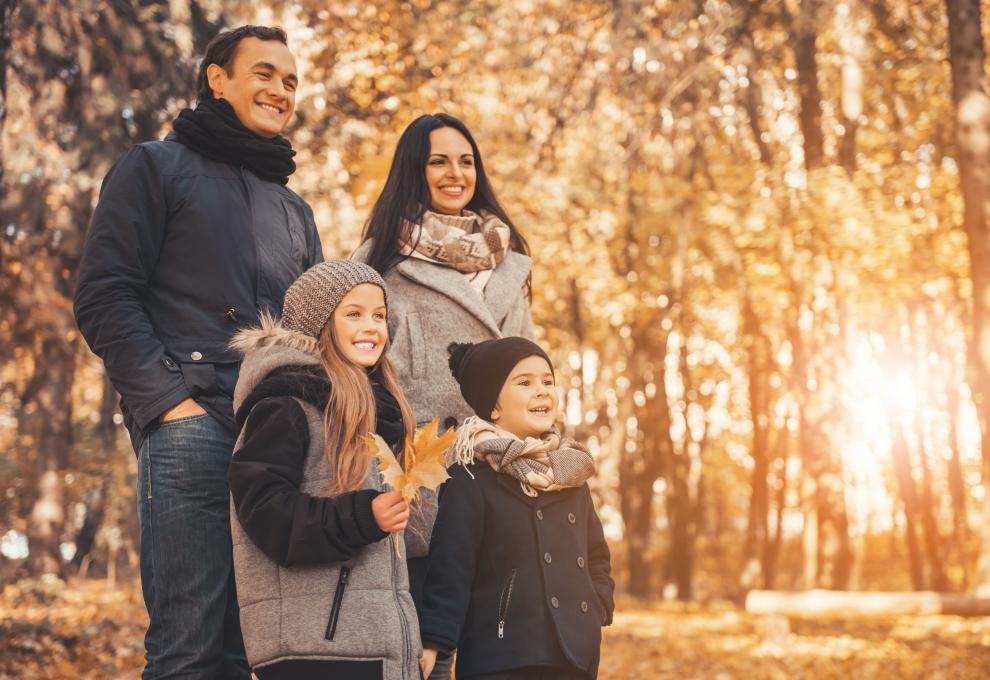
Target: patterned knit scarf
{"x": 468, "y": 243}
{"x": 546, "y": 464}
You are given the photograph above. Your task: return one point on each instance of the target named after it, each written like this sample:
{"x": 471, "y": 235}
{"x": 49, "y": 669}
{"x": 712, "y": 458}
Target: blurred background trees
{"x": 759, "y": 240}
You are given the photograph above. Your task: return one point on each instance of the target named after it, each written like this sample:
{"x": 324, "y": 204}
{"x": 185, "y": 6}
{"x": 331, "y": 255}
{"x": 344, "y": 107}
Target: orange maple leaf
{"x": 424, "y": 458}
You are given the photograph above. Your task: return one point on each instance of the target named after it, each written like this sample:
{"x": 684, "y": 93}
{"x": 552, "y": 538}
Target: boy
{"x": 519, "y": 579}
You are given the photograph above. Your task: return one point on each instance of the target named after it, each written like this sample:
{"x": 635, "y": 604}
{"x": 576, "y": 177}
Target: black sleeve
{"x": 118, "y": 260}
{"x": 315, "y": 245}
{"x": 289, "y": 526}
{"x": 454, "y": 550}
{"x": 600, "y": 562}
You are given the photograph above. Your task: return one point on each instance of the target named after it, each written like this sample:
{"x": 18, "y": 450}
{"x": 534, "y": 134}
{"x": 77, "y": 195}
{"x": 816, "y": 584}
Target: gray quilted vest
{"x": 355, "y": 610}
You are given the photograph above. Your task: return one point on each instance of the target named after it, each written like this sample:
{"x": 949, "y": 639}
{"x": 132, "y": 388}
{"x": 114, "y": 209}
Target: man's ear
{"x": 495, "y": 414}
{"x": 216, "y": 76}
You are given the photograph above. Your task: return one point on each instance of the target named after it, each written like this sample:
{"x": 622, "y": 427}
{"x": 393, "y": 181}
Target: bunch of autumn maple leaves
{"x": 425, "y": 463}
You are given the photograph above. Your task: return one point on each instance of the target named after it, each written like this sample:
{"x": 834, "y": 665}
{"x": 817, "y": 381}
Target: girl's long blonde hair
{"x": 350, "y": 412}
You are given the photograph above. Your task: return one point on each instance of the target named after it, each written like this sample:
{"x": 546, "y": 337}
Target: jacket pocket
{"x": 338, "y": 598}
{"x": 200, "y": 378}
{"x": 504, "y": 600}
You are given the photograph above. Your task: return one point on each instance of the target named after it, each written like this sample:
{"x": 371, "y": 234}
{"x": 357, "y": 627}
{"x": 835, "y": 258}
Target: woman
{"x": 456, "y": 267}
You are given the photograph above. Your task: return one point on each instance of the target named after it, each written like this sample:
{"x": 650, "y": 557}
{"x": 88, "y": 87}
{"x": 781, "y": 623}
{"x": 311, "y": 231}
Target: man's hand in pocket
{"x": 184, "y": 409}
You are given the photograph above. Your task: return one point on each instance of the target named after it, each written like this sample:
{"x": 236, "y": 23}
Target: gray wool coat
{"x": 284, "y": 610}
{"x": 431, "y": 306}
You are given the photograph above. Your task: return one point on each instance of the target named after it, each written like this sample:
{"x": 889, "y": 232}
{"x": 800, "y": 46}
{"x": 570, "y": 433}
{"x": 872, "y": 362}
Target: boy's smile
{"x": 527, "y": 403}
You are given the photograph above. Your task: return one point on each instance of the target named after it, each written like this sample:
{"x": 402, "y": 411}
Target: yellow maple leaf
{"x": 424, "y": 457}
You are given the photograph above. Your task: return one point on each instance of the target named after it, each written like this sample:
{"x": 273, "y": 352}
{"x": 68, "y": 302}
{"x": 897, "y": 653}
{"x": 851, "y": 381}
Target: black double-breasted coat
{"x": 516, "y": 581}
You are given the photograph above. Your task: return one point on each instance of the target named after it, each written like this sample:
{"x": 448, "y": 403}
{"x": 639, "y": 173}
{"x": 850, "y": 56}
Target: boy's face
{"x": 527, "y": 404}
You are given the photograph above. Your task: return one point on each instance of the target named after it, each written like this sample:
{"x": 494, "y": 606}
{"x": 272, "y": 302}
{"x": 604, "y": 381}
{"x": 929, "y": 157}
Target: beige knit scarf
{"x": 546, "y": 464}
{"x": 468, "y": 243}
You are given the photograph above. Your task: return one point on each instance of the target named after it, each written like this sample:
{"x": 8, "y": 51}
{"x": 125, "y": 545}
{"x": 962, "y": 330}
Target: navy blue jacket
{"x": 181, "y": 253}
{"x": 516, "y": 581}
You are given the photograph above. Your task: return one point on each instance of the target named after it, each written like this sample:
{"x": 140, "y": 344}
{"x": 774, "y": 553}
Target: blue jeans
{"x": 187, "y": 573}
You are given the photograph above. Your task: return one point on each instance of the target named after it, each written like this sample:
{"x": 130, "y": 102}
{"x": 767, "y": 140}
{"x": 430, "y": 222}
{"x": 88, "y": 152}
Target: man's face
{"x": 261, "y": 85}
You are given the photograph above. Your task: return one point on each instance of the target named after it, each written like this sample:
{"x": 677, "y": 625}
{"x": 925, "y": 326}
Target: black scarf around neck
{"x": 215, "y": 131}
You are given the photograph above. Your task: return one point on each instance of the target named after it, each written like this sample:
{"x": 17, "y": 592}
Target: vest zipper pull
{"x": 501, "y": 629}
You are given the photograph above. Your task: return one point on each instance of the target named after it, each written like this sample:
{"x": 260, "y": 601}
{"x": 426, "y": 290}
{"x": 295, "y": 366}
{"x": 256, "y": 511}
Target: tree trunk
{"x": 774, "y": 541}
{"x": 96, "y": 504}
{"x": 759, "y": 359}
{"x": 957, "y": 485}
{"x": 851, "y": 43}
{"x": 969, "y": 93}
{"x": 53, "y": 425}
{"x": 909, "y": 498}
{"x": 7, "y": 9}
{"x": 642, "y": 463}
{"x": 805, "y": 61}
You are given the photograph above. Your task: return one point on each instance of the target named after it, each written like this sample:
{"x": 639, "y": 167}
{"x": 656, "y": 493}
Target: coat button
{"x": 581, "y": 562}
{"x": 539, "y": 514}
{"x": 195, "y": 356}
{"x": 554, "y": 602}
{"x": 231, "y": 313}
{"x": 571, "y": 518}
{"x": 168, "y": 362}
{"x": 546, "y": 557}
{"x": 584, "y": 607}
{"x": 449, "y": 422}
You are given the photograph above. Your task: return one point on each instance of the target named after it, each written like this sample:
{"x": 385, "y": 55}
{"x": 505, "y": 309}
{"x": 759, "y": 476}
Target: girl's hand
{"x": 390, "y": 511}
{"x": 427, "y": 661}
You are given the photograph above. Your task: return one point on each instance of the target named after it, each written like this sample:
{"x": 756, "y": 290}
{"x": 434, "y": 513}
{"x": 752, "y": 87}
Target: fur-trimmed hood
{"x": 267, "y": 348}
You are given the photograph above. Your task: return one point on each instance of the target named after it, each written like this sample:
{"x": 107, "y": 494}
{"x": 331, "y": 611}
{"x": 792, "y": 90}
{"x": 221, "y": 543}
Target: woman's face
{"x": 450, "y": 171}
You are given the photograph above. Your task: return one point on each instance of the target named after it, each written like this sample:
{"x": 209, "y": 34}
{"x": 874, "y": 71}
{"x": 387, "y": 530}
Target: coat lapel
{"x": 501, "y": 292}
{"x": 506, "y": 284}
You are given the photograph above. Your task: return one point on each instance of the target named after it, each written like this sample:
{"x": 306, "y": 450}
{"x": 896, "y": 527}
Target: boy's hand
{"x": 390, "y": 511}
{"x": 427, "y": 661}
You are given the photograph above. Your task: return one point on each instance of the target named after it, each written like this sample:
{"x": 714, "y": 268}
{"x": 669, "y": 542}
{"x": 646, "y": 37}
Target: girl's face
{"x": 360, "y": 326}
{"x": 527, "y": 404}
{"x": 450, "y": 171}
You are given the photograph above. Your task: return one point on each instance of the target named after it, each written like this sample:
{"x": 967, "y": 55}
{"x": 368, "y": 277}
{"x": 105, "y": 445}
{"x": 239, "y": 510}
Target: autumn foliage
{"x": 760, "y": 266}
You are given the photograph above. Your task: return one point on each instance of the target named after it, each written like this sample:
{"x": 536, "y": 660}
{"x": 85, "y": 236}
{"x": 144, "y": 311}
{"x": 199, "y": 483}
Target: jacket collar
{"x": 511, "y": 486}
{"x": 500, "y": 294}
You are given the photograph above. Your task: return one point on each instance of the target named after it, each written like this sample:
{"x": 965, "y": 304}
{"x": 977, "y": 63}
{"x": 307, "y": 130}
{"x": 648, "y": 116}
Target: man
{"x": 192, "y": 238}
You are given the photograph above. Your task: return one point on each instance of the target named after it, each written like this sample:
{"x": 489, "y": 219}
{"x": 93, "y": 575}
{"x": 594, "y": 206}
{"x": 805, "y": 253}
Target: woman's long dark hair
{"x": 406, "y": 196}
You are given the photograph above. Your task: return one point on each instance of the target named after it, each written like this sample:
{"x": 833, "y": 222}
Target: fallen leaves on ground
{"x": 86, "y": 630}
{"x": 83, "y": 630}
{"x": 721, "y": 642}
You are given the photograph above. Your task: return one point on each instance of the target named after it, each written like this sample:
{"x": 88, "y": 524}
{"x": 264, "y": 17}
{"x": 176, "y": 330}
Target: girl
{"x": 322, "y": 591}
{"x": 519, "y": 577}
{"x": 456, "y": 266}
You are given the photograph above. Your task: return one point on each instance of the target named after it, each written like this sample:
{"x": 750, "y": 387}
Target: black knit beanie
{"x": 482, "y": 368}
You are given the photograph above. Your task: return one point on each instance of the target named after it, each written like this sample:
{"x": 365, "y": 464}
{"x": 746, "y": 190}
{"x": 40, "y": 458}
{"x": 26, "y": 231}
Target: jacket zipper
{"x": 503, "y": 604}
{"x": 338, "y": 597}
{"x": 406, "y": 644}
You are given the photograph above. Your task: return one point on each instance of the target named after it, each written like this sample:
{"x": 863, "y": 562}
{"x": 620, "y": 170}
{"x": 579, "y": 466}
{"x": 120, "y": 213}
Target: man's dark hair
{"x": 223, "y": 48}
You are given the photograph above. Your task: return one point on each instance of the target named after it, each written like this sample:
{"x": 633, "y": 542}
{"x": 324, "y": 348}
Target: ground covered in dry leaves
{"x": 86, "y": 630}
